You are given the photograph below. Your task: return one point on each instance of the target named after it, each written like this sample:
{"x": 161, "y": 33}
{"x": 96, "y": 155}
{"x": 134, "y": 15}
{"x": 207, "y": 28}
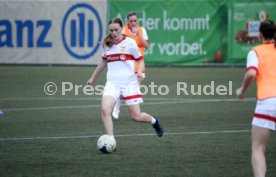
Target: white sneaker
{"x": 115, "y": 113}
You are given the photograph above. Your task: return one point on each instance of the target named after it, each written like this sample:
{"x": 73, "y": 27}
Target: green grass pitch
{"x": 55, "y": 136}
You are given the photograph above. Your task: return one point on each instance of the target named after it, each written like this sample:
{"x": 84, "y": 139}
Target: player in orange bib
{"x": 261, "y": 64}
{"x": 139, "y": 34}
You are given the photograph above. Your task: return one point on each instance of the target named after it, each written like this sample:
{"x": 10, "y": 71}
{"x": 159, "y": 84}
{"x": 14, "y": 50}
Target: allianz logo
{"x": 81, "y": 32}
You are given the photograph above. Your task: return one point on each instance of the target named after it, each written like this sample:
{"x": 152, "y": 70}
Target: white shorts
{"x": 265, "y": 114}
{"x": 128, "y": 92}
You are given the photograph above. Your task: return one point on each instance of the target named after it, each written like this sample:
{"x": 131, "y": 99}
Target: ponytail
{"x": 108, "y": 41}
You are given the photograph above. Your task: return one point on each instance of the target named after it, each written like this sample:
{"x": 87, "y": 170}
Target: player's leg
{"x": 107, "y": 105}
{"x": 110, "y": 94}
{"x": 138, "y": 116}
{"x": 132, "y": 96}
{"x": 260, "y": 138}
{"x": 262, "y": 125}
{"x": 116, "y": 109}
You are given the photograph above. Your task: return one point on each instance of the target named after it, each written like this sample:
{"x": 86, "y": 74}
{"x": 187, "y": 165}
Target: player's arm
{"x": 249, "y": 76}
{"x": 134, "y": 50}
{"x": 97, "y": 71}
{"x": 142, "y": 37}
{"x": 141, "y": 65}
{"x": 144, "y": 41}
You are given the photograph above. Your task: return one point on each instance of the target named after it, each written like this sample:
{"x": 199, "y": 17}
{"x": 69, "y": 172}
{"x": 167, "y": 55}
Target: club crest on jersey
{"x": 123, "y": 48}
{"x": 122, "y": 57}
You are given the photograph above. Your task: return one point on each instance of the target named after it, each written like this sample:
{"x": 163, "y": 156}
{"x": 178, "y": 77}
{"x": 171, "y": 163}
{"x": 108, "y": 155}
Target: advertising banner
{"x": 244, "y": 21}
{"x": 180, "y": 32}
{"x": 52, "y": 32}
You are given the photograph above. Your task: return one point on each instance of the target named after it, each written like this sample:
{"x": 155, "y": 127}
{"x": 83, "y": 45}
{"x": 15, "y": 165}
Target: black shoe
{"x": 158, "y": 128}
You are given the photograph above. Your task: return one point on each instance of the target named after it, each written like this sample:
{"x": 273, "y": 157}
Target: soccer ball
{"x": 106, "y": 144}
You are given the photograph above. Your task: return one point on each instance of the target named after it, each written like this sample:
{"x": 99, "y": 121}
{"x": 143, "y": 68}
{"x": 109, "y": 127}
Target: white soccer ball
{"x": 106, "y": 144}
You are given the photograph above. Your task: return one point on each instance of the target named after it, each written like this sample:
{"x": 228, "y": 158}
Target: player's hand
{"x": 140, "y": 75}
{"x": 239, "y": 93}
{"x": 90, "y": 81}
{"x": 135, "y": 30}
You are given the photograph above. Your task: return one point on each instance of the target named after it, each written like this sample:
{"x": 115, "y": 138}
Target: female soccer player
{"x": 139, "y": 34}
{"x": 119, "y": 55}
{"x": 261, "y": 63}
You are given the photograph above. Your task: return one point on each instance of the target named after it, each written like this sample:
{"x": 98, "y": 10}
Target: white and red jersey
{"x": 121, "y": 60}
{"x": 252, "y": 60}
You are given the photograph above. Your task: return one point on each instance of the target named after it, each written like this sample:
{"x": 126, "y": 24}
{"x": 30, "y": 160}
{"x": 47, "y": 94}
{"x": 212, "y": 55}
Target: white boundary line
{"x": 121, "y": 135}
{"x": 100, "y": 98}
{"x": 47, "y": 108}
{"x": 48, "y": 98}
{"x": 174, "y": 101}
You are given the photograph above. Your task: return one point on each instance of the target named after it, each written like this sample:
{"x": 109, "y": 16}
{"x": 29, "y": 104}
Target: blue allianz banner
{"x": 52, "y": 32}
